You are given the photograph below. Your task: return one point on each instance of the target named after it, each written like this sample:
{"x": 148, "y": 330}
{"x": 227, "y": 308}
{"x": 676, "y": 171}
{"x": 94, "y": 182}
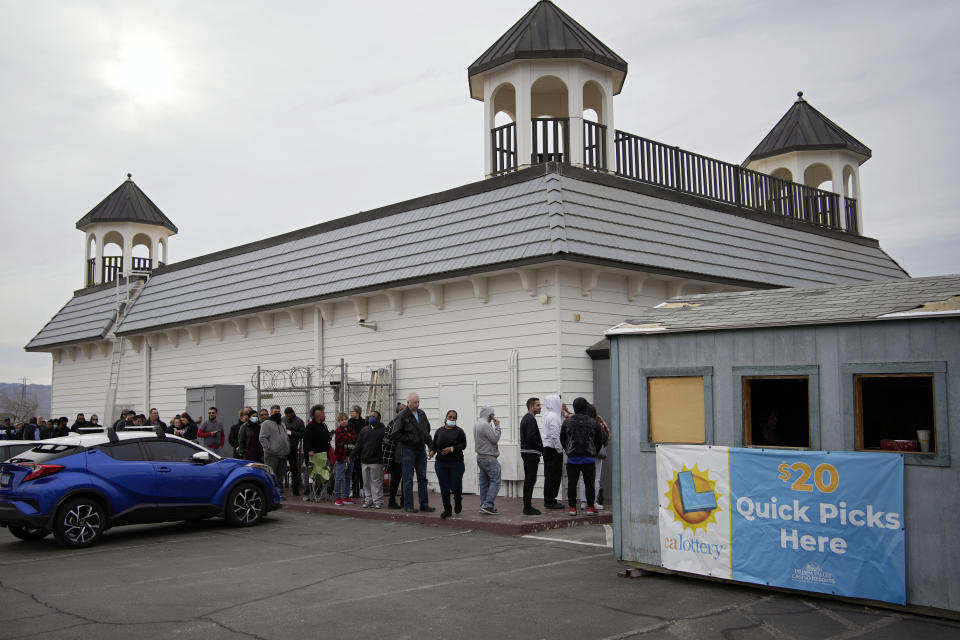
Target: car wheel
{"x": 246, "y": 506}
{"x": 27, "y": 533}
{"x": 79, "y": 523}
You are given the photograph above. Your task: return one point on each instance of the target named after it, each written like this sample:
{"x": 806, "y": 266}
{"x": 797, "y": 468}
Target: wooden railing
{"x": 656, "y": 163}
{"x": 551, "y": 139}
{"x": 113, "y": 268}
{"x": 594, "y": 146}
{"x": 504, "y": 139}
{"x": 141, "y": 265}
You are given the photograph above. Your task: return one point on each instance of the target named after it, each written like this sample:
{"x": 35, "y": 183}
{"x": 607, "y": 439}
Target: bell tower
{"x": 124, "y": 222}
{"x": 807, "y": 147}
{"x": 547, "y": 86}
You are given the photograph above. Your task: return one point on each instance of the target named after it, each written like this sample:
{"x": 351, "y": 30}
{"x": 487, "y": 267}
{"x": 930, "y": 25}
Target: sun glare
{"x": 146, "y": 70}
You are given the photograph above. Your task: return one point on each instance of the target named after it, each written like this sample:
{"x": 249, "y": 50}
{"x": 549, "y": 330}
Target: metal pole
{"x": 259, "y": 386}
{"x": 343, "y": 385}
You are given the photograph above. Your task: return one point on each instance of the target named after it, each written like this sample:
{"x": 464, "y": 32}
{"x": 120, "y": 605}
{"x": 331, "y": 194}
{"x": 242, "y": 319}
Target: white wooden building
{"x": 485, "y": 294}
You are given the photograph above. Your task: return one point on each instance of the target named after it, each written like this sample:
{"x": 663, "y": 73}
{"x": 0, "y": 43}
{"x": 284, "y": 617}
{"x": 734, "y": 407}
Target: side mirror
{"x": 203, "y": 457}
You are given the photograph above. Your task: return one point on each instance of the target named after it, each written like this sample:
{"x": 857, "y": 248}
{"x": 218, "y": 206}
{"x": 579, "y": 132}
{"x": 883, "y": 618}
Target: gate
{"x": 337, "y": 388}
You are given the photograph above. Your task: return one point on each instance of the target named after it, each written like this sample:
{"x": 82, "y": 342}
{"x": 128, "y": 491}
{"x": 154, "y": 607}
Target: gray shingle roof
{"x": 547, "y": 32}
{"x": 799, "y": 306}
{"x": 88, "y": 316}
{"x": 804, "y": 128}
{"x": 532, "y": 216}
{"x": 127, "y": 203}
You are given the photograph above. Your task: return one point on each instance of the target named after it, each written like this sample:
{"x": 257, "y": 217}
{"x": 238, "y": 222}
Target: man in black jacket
{"x": 368, "y": 455}
{"x": 411, "y": 434}
{"x": 295, "y": 431}
{"x": 531, "y": 448}
{"x": 581, "y": 437}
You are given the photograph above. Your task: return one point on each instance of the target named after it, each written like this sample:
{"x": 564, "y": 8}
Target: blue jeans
{"x": 489, "y": 480}
{"x": 341, "y": 482}
{"x": 414, "y": 460}
{"x": 450, "y": 476}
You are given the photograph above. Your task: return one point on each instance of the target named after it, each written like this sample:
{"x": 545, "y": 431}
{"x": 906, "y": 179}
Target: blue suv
{"x": 77, "y": 487}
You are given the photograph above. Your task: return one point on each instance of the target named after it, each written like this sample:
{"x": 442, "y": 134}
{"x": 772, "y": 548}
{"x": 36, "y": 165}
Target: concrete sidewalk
{"x": 510, "y": 521}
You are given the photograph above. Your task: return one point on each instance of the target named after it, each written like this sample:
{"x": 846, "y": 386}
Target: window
{"x": 776, "y": 411}
{"x": 169, "y": 451}
{"x": 895, "y": 412}
{"x": 128, "y": 451}
{"x": 891, "y": 401}
{"x": 676, "y": 409}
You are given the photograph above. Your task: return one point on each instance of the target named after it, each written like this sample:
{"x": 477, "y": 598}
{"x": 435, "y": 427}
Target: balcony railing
{"x": 656, "y": 163}
{"x": 674, "y": 168}
{"x": 113, "y": 268}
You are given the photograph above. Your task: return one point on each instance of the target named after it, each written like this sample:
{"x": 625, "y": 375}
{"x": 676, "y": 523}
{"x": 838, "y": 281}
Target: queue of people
{"x": 356, "y": 453}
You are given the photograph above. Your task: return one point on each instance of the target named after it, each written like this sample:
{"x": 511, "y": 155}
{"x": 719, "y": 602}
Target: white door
{"x": 462, "y": 398}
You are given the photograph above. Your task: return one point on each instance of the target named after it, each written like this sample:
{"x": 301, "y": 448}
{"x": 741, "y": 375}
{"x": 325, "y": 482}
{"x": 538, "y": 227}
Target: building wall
{"x": 929, "y": 519}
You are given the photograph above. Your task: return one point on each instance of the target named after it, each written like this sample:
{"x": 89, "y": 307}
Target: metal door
{"x": 462, "y": 398}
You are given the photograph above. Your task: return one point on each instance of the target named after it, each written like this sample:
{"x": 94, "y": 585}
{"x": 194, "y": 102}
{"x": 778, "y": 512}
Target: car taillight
{"x": 41, "y": 470}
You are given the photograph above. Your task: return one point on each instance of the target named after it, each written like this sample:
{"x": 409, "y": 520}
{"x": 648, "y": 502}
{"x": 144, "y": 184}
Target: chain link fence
{"x": 337, "y": 388}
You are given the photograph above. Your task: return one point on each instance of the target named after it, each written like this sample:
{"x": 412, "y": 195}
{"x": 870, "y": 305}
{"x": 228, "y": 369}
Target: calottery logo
{"x": 693, "y": 498}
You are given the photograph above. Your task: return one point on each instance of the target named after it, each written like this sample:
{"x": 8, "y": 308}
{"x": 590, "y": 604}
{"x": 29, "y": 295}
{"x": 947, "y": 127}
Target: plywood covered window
{"x": 895, "y": 412}
{"x": 676, "y": 409}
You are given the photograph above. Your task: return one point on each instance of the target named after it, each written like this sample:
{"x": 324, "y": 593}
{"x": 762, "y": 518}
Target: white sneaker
{"x": 598, "y": 506}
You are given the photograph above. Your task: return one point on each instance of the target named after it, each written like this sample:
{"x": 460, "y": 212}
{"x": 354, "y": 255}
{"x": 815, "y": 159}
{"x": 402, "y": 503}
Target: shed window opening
{"x": 895, "y": 413}
{"x": 776, "y": 411}
{"x": 676, "y": 410}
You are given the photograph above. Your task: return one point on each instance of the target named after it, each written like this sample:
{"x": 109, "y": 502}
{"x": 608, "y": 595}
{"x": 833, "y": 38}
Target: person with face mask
{"x": 449, "y": 443}
{"x": 249, "y": 448}
{"x": 368, "y": 455}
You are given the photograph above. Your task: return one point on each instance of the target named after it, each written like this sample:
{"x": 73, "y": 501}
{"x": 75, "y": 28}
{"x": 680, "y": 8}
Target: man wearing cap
{"x": 295, "y": 430}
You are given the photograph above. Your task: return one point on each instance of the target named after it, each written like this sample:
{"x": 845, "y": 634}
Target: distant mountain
{"x": 10, "y": 392}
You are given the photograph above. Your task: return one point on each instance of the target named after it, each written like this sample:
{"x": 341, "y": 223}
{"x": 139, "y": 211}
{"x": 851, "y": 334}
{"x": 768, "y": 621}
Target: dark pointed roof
{"x": 127, "y": 203}
{"x": 547, "y": 32}
{"x": 803, "y": 128}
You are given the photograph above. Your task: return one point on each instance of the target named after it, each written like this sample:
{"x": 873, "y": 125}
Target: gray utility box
{"x": 227, "y": 398}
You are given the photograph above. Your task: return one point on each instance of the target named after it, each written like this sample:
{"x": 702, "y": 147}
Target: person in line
{"x": 412, "y": 435}
{"x": 356, "y": 423}
{"x": 189, "y": 431}
{"x": 486, "y": 438}
{"x": 552, "y": 453}
{"x": 344, "y": 442}
{"x": 369, "y": 455}
{"x": 155, "y": 420}
{"x": 125, "y": 420}
{"x": 276, "y": 445}
{"x": 582, "y": 438}
{"x": 449, "y": 443}
{"x": 176, "y": 425}
{"x": 94, "y": 420}
{"x": 210, "y": 432}
{"x": 234, "y": 438}
{"x": 531, "y": 448}
{"x": 249, "y": 441}
{"x": 79, "y": 423}
{"x": 295, "y": 428}
{"x": 391, "y": 460}
{"x": 60, "y": 428}
{"x": 601, "y": 455}
{"x": 316, "y": 444}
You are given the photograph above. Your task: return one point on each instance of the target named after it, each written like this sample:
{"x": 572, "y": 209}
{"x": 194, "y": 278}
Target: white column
{"x": 487, "y": 127}
{"x": 127, "y": 261}
{"x": 574, "y": 82}
{"x": 609, "y": 122}
{"x": 524, "y": 135}
{"x": 98, "y": 265}
{"x": 86, "y": 261}
{"x": 166, "y": 241}
{"x": 856, "y": 192}
{"x": 154, "y": 251}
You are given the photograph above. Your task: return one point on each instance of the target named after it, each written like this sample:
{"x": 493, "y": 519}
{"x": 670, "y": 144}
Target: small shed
{"x": 870, "y": 368}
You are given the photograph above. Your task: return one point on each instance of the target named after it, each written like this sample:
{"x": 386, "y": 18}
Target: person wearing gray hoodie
{"x": 486, "y": 438}
{"x": 276, "y": 444}
{"x": 552, "y": 452}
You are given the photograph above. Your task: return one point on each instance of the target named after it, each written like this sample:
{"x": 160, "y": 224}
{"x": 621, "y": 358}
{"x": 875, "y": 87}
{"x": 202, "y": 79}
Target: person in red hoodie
{"x": 345, "y": 439}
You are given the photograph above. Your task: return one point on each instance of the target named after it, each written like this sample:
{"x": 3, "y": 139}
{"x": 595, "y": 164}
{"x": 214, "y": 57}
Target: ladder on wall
{"x": 377, "y": 390}
{"x": 125, "y": 292}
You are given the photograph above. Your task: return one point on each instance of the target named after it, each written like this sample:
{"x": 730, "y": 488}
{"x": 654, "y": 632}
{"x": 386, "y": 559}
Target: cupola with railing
{"x": 126, "y": 234}
{"x": 548, "y": 84}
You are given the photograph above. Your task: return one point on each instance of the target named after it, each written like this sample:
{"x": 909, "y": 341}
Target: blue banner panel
{"x": 819, "y": 521}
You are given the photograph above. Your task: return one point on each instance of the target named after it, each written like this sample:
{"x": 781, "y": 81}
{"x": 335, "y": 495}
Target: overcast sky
{"x": 243, "y": 120}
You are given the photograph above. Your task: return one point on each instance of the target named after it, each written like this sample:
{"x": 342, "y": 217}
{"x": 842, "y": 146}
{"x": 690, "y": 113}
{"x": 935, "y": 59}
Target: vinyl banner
{"x": 818, "y": 521}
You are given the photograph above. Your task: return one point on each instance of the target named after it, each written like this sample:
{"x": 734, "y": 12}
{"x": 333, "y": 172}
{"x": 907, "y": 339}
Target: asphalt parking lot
{"x": 315, "y": 576}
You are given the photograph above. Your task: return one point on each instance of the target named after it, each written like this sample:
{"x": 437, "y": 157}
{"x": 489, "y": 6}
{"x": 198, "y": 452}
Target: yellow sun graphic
{"x": 693, "y": 519}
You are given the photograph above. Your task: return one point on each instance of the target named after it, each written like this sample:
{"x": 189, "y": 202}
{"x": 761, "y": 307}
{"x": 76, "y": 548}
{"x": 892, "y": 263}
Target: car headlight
{"x": 261, "y": 466}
